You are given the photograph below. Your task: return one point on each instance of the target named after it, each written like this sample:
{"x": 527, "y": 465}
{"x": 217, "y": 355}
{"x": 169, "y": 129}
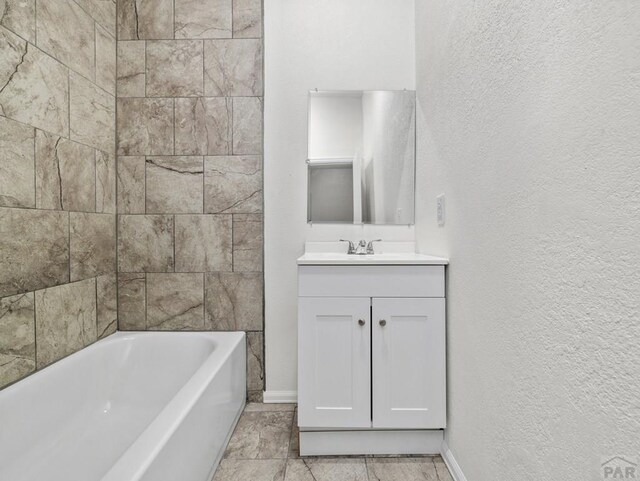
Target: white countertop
{"x": 396, "y": 253}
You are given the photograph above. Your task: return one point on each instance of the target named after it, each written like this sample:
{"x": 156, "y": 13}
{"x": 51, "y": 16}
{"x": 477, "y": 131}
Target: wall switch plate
{"x": 440, "y": 209}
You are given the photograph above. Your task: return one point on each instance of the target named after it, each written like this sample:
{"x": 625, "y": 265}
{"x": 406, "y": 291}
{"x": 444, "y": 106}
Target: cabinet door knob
{"x": 361, "y": 322}
{"x": 382, "y": 322}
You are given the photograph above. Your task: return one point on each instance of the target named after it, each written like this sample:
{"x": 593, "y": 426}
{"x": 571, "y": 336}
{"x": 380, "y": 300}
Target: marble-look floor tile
{"x": 203, "y": 126}
{"x": 35, "y": 86}
{"x": 92, "y": 244}
{"x": 247, "y": 242}
{"x": 17, "y": 337}
{"x": 34, "y": 250}
{"x": 441, "y": 469}
{"x": 174, "y": 185}
{"x": 131, "y": 74}
{"x": 203, "y": 18}
{"x": 145, "y": 243}
{"x": 174, "y": 68}
{"x": 233, "y": 67}
{"x": 261, "y": 435}
{"x": 234, "y": 301}
{"x": 131, "y": 188}
{"x": 407, "y": 469}
{"x": 247, "y": 126}
{"x": 106, "y": 305}
{"x": 17, "y": 164}
{"x": 19, "y": 16}
{"x": 175, "y": 302}
{"x": 105, "y": 182}
{"x": 327, "y": 469}
{"x": 269, "y": 407}
{"x": 145, "y": 19}
{"x": 105, "y": 60}
{"x": 255, "y": 361}
{"x": 65, "y": 174}
{"x": 54, "y": 22}
{"x": 102, "y": 11}
{"x": 132, "y": 304}
{"x": 145, "y": 126}
{"x": 65, "y": 320}
{"x": 250, "y": 470}
{"x": 203, "y": 243}
{"x": 92, "y": 114}
{"x": 247, "y": 18}
{"x": 233, "y": 184}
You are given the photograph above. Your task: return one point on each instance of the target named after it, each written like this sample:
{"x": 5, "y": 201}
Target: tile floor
{"x": 264, "y": 447}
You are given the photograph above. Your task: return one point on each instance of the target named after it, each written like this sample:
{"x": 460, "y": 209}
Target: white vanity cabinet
{"x": 371, "y": 355}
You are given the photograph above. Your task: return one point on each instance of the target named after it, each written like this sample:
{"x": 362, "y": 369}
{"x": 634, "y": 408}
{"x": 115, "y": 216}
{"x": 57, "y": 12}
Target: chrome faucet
{"x": 363, "y": 248}
{"x": 370, "y": 246}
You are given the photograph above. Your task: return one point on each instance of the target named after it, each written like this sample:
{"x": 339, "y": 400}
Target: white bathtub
{"x": 133, "y": 407}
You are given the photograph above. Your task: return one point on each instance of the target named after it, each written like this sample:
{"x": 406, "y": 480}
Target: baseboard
{"x": 452, "y": 464}
{"x": 280, "y": 397}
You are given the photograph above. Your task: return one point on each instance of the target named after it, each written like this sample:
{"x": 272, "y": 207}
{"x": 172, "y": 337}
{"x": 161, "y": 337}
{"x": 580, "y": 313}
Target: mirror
{"x": 361, "y": 157}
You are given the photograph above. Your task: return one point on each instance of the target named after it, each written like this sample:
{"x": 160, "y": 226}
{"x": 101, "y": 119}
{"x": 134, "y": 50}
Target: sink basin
{"x": 395, "y": 258}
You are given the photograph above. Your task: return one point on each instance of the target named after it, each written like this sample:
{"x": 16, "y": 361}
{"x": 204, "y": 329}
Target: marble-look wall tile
{"x": 233, "y": 67}
{"x": 66, "y": 32}
{"x": 34, "y": 250}
{"x": 145, "y": 19}
{"x": 19, "y": 16}
{"x": 247, "y": 242}
{"x": 174, "y": 185}
{"x": 203, "y": 18}
{"x": 106, "y": 305}
{"x": 131, "y": 185}
{"x": 247, "y": 125}
{"x": 131, "y": 68}
{"x": 17, "y": 164}
{"x": 145, "y": 126}
{"x": 132, "y": 305}
{"x": 255, "y": 361}
{"x": 35, "y": 86}
{"x": 203, "y": 243}
{"x": 105, "y": 182}
{"x": 65, "y": 174}
{"x": 247, "y": 18}
{"x": 174, "y": 68}
{"x": 65, "y": 320}
{"x": 175, "y": 301}
{"x": 203, "y": 126}
{"x": 92, "y": 244}
{"x": 145, "y": 243}
{"x": 255, "y": 396}
{"x": 92, "y": 114}
{"x": 17, "y": 337}
{"x": 234, "y": 301}
{"x": 105, "y": 60}
{"x": 233, "y": 184}
{"x": 102, "y": 11}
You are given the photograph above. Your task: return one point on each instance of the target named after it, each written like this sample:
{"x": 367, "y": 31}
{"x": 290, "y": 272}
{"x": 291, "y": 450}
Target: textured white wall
{"x": 333, "y": 45}
{"x": 529, "y": 122}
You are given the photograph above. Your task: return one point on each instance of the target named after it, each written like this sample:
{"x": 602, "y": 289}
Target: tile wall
{"x": 189, "y": 128}
{"x": 57, "y": 180}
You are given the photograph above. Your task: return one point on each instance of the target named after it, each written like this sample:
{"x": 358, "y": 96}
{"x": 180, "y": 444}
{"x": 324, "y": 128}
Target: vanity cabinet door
{"x": 408, "y": 363}
{"x": 334, "y": 356}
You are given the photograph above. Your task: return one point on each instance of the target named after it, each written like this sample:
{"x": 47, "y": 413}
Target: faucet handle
{"x": 370, "y": 246}
{"x": 352, "y": 248}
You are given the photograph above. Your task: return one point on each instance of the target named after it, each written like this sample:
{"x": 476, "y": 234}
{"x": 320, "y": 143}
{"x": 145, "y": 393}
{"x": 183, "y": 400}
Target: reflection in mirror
{"x": 361, "y": 157}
